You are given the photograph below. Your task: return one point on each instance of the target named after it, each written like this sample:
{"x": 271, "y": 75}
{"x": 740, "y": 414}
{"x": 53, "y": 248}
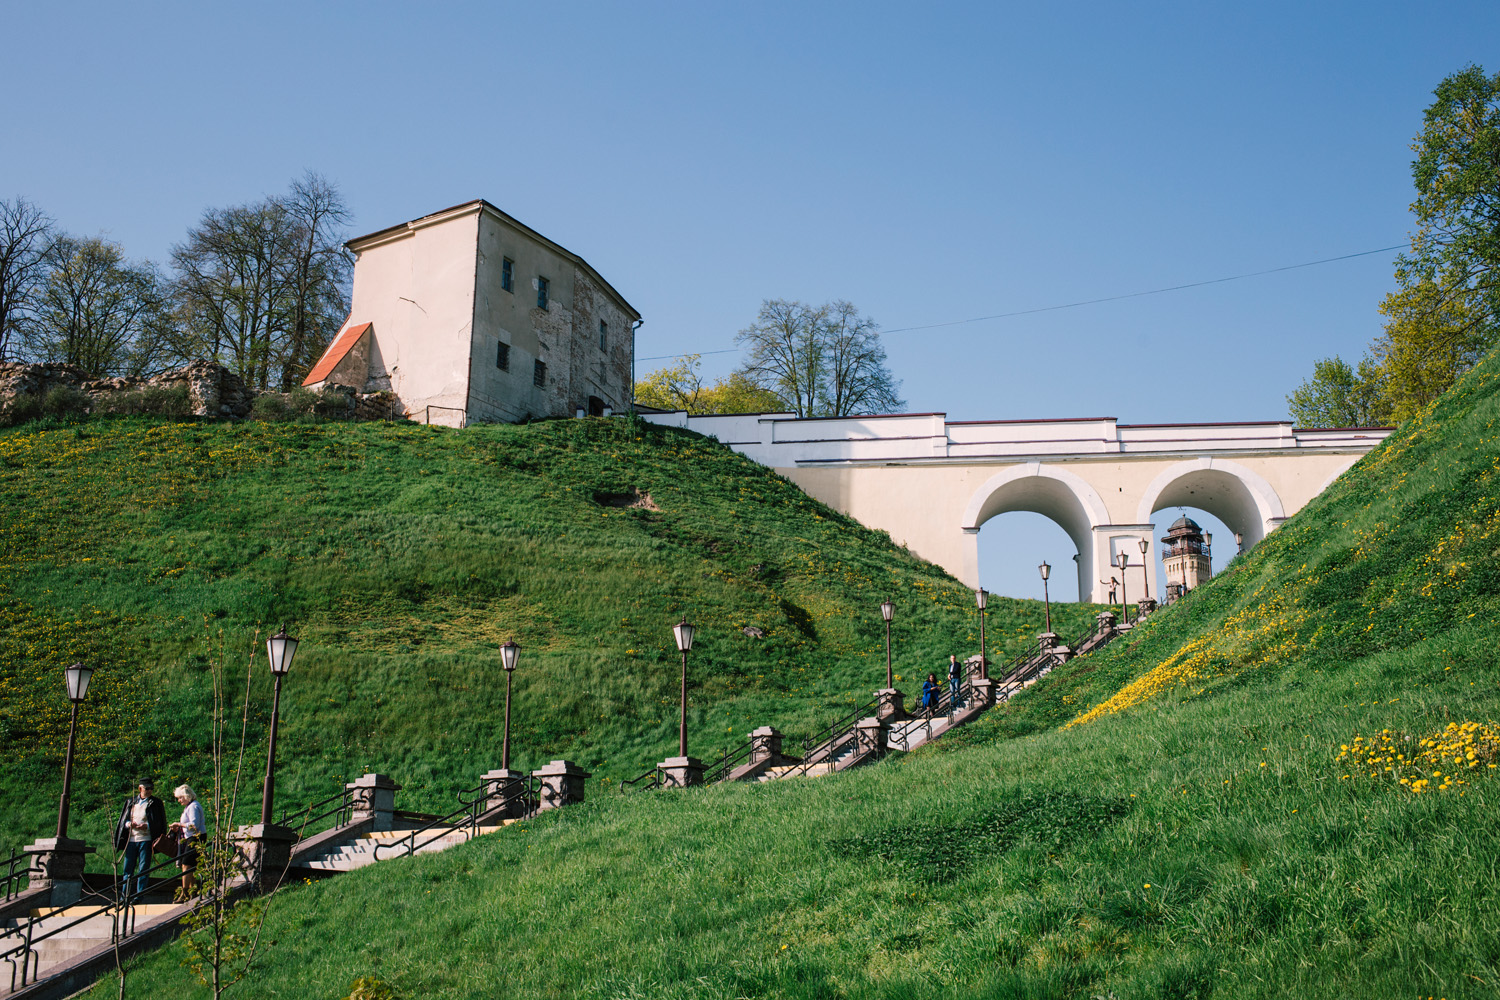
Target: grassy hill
{"x": 1196, "y": 812}
{"x": 403, "y": 556}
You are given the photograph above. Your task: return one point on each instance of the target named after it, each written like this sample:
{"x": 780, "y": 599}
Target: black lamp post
{"x": 887, "y": 611}
{"x": 684, "y": 633}
{"x": 980, "y": 597}
{"x": 280, "y": 649}
{"x": 1046, "y": 572}
{"x": 508, "y": 653}
{"x": 1146, "y": 568}
{"x": 78, "y": 687}
{"x": 1124, "y": 605}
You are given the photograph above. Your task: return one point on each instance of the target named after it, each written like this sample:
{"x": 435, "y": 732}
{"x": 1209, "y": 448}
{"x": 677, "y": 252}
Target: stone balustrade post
{"x": 984, "y": 692}
{"x": 1145, "y": 606}
{"x": 57, "y": 864}
{"x": 1045, "y": 641}
{"x": 505, "y": 793}
{"x": 765, "y": 744}
{"x": 681, "y": 772}
{"x": 266, "y": 851}
{"x": 375, "y": 800}
{"x": 561, "y": 784}
{"x": 891, "y": 704}
{"x": 873, "y": 736}
{"x": 1104, "y": 621}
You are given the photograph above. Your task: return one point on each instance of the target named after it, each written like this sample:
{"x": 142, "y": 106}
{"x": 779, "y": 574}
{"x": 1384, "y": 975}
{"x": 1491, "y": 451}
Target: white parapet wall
{"x": 931, "y": 483}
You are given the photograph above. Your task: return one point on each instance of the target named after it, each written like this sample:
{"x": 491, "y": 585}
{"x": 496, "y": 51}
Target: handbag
{"x": 165, "y": 844}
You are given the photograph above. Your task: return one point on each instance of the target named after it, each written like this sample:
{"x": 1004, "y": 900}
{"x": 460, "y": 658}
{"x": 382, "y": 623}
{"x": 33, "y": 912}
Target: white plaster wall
{"x": 417, "y": 287}
{"x": 932, "y": 485}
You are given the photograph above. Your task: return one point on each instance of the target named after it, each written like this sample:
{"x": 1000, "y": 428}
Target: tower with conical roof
{"x": 1185, "y": 558}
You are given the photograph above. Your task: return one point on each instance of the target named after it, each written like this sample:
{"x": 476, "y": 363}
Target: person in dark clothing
{"x": 955, "y": 681}
{"x": 142, "y": 821}
{"x": 931, "y": 692}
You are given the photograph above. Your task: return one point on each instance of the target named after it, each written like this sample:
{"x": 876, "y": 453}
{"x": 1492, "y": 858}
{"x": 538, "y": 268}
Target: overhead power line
{"x": 1088, "y": 302}
{"x": 1136, "y": 295}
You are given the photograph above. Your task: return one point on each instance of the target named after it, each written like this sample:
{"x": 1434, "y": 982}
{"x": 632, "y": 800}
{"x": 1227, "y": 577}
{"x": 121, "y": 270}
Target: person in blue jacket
{"x": 931, "y": 692}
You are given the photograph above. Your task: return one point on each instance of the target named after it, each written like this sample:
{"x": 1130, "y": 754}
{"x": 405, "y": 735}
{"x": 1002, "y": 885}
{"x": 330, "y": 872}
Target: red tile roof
{"x": 346, "y": 339}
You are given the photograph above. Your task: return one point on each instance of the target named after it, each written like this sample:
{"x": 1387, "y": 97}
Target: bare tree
{"x": 26, "y": 234}
{"x": 785, "y": 353}
{"x": 858, "y": 379}
{"x": 263, "y": 287}
{"x": 320, "y": 272}
{"x": 97, "y": 310}
{"x": 820, "y": 360}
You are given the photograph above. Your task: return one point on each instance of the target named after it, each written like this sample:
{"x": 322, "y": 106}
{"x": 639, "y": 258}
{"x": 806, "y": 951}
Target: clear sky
{"x": 930, "y": 163}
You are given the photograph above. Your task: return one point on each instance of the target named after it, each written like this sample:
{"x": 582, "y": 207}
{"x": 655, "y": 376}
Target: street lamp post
{"x": 508, "y": 652}
{"x": 887, "y": 611}
{"x": 1146, "y": 568}
{"x": 980, "y": 598}
{"x": 684, "y": 633}
{"x": 78, "y": 677}
{"x": 280, "y": 649}
{"x": 1239, "y": 542}
{"x": 1124, "y": 605}
{"x": 1046, "y": 572}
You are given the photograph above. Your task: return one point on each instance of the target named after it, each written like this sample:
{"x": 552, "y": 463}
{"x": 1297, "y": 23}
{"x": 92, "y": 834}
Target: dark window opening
{"x": 541, "y": 293}
{"x": 502, "y": 357}
{"x": 603, "y": 335}
{"x": 539, "y": 373}
{"x": 508, "y": 275}
{"x": 596, "y": 406}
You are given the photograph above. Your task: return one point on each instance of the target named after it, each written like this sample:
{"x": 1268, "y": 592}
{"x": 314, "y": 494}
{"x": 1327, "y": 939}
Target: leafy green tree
{"x": 680, "y": 387}
{"x": 1446, "y": 313}
{"x": 1339, "y": 395}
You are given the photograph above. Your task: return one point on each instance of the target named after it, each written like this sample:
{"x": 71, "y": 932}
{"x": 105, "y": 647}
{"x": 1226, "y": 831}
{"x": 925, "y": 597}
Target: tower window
{"x": 603, "y": 335}
{"x": 541, "y": 293}
{"x": 539, "y": 373}
{"x": 502, "y": 357}
{"x": 508, "y": 275}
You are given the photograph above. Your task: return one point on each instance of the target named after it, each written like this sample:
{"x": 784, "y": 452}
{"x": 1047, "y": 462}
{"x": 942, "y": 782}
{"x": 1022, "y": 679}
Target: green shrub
{"x": 23, "y": 406}
{"x": 152, "y": 401}
{"x": 65, "y": 401}
{"x": 270, "y": 407}
{"x": 370, "y": 988}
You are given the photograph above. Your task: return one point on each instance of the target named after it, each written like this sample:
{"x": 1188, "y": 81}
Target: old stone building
{"x": 469, "y": 316}
{"x": 1186, "y": 558}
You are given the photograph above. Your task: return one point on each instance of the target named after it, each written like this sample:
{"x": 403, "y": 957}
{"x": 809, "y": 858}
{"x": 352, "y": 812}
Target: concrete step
{"x": 55, "y": 942}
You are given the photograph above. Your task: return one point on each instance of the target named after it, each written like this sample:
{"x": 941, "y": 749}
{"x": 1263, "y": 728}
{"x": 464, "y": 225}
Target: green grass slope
{"x": 1173, "y": 817}
{"x": 404, "y": 556}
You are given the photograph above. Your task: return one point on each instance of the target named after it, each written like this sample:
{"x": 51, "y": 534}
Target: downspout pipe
{"x": 633, "y": 327}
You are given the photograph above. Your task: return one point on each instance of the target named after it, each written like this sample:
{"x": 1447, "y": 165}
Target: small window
{"x": 508, "y": 274}
{"x": 603, "y": 335}
{"x": 502, "y": 357}
{"x": 541, "y": 295}
{"x": 539, "y": 373}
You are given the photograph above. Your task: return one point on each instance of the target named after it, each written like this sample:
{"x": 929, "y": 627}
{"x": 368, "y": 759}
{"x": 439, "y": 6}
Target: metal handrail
{"x": 527, "y": 788}
{"x": 725, "y": 765}
{"x": 339, "y": 805}
{"x": 122, "y": 926}
{"x": 18, "y": 868}
{"x": 652, "y": 779}
{"x": 470, "y": 810}
{"x": 818, "y": 748}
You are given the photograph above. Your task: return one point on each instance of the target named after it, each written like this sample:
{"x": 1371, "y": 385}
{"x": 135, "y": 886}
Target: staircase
{"x": 361, "y": 849}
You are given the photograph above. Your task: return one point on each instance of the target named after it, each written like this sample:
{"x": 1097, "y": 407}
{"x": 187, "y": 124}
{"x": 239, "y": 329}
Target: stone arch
{"x": 1051, "y": 492}
{"x": 1234, "y": 494}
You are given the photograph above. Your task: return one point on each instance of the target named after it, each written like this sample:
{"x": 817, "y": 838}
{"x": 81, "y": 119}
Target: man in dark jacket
{"x": 143, "y": 820}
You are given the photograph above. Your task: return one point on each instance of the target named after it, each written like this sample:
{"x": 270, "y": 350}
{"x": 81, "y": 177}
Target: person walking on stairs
{"x": 189, "y": 829}
{"x": 143, "y": 820}
{"x": 955, "y": 681}
{"x": 931, "y": 691}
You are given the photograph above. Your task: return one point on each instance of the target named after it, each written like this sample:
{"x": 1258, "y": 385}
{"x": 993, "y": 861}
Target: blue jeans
{"x": 953, "y": 685}
{"x": 137, "y": 860}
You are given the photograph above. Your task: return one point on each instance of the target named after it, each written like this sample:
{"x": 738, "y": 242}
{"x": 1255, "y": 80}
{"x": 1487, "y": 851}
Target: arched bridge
{"x": 931, "y": 483}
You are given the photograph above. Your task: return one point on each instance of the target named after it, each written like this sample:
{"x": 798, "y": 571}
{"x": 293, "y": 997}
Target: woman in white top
{"x": 189, "y": 830}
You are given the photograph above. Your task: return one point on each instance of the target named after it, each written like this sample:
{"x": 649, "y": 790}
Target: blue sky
{"x": 929, "y": 163}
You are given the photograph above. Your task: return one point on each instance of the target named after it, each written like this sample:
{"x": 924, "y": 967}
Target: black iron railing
{"x": 650, "y": 781}
{"x": 22, "y": 955}
{"x": 18, "y": 868}
{"x": 728, "y": 762}
{"x": 474, "y": 804}
{"x": 308, "y": 819}
{"x": 826, "y": 745}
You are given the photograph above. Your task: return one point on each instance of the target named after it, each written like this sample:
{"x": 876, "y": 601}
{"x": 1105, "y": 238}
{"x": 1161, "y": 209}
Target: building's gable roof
{"x": 480, "y": 205}
{"x": 346, "y": 339}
